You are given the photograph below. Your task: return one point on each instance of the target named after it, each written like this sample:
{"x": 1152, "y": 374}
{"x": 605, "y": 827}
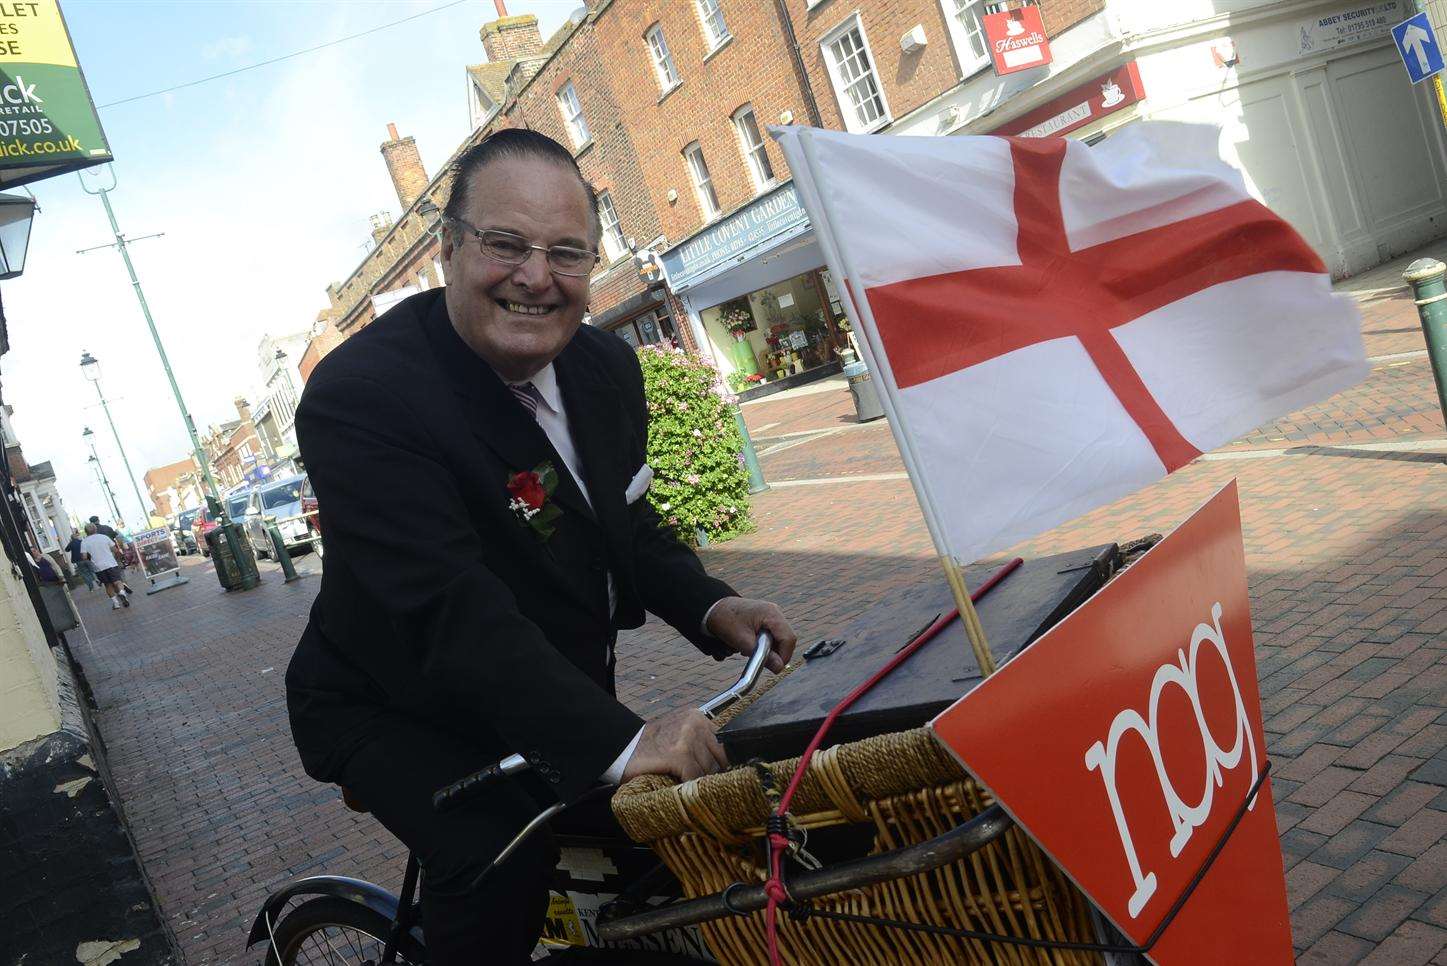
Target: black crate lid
{"x": 1019, "y": 609}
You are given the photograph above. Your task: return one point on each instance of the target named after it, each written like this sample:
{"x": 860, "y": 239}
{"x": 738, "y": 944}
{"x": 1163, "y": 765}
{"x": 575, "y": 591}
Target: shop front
{"x": 759, "y": 299}
{"x": 642, "y": 319}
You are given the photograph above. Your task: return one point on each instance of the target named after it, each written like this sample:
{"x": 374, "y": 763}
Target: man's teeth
{"x": 522, "y": 309}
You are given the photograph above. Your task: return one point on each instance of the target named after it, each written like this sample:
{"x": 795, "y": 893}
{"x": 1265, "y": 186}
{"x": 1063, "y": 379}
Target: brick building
{"x": 174, "y": 487}
{"x": 235, "y": 449}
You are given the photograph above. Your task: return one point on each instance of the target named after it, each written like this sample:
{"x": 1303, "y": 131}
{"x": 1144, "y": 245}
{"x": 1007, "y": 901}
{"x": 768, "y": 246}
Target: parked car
{"x": 186, "y": 541}
{"x": 204, "y": 522}
{"x": 279, "y": 501}
{"x": 312, "y": 509}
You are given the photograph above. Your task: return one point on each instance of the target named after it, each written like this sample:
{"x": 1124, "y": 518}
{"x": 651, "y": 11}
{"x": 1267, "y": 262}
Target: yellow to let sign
{"x": 32, "y": 32}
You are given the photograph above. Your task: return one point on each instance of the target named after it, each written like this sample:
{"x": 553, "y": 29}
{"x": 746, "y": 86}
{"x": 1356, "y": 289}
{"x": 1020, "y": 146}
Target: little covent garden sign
{"x": 768, "y": 217}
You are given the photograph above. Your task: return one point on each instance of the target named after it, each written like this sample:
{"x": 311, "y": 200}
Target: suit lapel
{"x": 494, "y": 414}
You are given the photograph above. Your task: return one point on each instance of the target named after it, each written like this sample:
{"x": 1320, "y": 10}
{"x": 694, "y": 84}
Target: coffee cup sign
{"x": 1135, "y": 742}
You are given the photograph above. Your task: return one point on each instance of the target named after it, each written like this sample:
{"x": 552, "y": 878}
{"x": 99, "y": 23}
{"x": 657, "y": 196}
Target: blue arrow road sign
{"x": 1418, "y": 46}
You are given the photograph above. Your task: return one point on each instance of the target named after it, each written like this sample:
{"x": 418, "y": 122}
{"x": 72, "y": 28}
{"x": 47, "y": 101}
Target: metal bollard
{"x": 1428, "y": 278}
{"x": 278, "y": 547}
{"x": 751, "y": 459}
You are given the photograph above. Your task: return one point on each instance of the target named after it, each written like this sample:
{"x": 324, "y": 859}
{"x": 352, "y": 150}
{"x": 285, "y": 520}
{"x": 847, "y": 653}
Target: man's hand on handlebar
{"x": 737, "y": 621}
{"x": 681, "y": 744}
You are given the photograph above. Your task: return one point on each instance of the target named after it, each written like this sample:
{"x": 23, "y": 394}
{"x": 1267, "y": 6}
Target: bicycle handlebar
{"x": 462, "y": 790}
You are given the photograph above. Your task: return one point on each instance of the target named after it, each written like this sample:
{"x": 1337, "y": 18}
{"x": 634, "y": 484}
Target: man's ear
{"x": 449, "y": 246}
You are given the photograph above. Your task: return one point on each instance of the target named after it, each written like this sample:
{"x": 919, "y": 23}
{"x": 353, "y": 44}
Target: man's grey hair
{"x": 91, "y": 528}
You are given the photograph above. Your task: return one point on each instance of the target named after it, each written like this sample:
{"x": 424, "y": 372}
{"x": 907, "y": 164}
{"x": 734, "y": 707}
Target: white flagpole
{"x": 857, "y": 307}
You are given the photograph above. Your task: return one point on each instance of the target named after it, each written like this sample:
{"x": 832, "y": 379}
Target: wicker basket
{"x": 908, "y": 790}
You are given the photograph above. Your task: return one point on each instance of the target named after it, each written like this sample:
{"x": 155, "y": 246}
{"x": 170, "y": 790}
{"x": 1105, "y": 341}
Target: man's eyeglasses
{"x": 510, "y": 249}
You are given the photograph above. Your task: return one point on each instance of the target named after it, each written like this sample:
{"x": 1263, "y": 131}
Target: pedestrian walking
{"x": 79, "y": 563}
{"x": 121, "y": 543}
{"x": 99, "y": 549}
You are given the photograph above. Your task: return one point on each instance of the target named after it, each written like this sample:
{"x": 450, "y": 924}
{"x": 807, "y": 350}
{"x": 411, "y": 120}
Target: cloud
{"x": 227, "y": 48}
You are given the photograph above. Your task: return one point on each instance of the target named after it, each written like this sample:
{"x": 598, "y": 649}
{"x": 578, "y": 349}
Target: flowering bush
{"x": 694, "y": 448}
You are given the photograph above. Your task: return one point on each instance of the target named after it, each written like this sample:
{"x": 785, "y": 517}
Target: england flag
{"x": 1056, "y": 325}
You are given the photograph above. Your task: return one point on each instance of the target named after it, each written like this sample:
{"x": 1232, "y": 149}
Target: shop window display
{"x": 783, "y": 330}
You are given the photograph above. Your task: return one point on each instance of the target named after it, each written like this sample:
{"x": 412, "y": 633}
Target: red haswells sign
{"x": 1017, "y": 40}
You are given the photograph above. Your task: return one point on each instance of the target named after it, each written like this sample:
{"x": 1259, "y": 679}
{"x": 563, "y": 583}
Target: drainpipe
{"x": 797, "y": 56}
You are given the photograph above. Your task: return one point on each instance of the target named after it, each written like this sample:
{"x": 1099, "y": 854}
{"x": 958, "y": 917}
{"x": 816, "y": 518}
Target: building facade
{"x": 174, "y": 487}
{"x": 666, "y": 105}
{"x": 278, "y": 360}
{"x": 235, "y": 451}
{"x": 42, "y": 508}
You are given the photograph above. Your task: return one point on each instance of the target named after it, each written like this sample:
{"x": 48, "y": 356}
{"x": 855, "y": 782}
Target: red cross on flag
{"x": 1056, "y": 325}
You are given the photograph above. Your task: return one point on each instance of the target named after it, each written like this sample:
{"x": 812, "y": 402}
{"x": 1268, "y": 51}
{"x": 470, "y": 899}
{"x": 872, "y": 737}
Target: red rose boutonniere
{"x": 529, "y": 491}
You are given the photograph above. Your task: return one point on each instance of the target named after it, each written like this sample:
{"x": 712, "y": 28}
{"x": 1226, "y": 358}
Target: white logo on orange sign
{"x": 1185, "y": 818}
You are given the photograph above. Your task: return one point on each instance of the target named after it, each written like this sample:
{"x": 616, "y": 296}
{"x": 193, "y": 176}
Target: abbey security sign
{"x": 1417, "y": 43}
{"x": 1136, "y": 748}
{"x": 48, "y": 125}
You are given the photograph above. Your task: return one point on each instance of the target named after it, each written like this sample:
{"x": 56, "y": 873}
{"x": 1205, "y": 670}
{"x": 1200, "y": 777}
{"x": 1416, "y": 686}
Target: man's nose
{"x": 533, "y": 273}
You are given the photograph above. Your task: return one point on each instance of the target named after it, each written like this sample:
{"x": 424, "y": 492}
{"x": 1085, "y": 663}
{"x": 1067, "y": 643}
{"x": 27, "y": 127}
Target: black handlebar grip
{"x": 464, "y": 789}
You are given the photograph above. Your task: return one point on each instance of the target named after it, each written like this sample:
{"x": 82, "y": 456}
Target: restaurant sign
{"x": 1089, "y": 102}
{"x": 48, "y": 124}
{"x": 735, "y": 239}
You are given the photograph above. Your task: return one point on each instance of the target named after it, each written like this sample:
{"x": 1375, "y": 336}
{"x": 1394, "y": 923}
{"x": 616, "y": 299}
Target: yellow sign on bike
{"x": 562, "y": 927}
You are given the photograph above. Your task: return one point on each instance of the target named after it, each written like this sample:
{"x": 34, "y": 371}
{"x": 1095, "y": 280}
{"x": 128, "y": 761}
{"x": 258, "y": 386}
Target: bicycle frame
{"x": 404, "y": 911}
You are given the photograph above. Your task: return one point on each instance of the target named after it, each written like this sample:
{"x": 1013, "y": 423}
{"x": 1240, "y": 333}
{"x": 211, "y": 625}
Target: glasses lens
{"x": 504, "y": 247}
{"x": 570, "y": 261}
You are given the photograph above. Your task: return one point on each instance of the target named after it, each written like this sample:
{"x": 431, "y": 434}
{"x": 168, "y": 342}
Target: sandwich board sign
{"x": 1417, "y": 44}
{"x": 1138, "y": 757}
{"x": 158, "y": 559}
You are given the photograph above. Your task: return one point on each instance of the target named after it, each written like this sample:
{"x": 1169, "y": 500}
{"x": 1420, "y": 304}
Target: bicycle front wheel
{"x": 336, "y": 931}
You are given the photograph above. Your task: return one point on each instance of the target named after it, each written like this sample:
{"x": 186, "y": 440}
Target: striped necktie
{"x": 528, "y": 395}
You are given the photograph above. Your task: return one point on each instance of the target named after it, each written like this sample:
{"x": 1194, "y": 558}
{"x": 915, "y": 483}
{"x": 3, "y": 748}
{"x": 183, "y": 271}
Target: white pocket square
{"x": 639, "y": 484}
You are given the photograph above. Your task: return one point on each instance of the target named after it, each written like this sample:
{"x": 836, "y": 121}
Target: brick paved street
{"x": 1345, "y": 513}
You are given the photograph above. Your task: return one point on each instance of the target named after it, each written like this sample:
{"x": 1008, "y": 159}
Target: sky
{"x": 262, "y": 183}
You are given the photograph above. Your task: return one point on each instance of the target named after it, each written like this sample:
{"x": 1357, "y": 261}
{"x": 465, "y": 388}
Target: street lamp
{"x": 428, "y": 209}
{"x": 90, "y": 367}
{"x": 100, "y": 473}
{"x": 244, "y": 576}
{"x": 16, "y": 213}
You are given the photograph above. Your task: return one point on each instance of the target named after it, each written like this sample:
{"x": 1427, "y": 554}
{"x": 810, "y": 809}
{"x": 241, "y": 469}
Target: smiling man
{"x": 480, "y": 457}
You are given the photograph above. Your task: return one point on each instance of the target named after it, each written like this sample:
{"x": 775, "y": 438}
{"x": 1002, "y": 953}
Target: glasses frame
{"x": 547, "y": 251}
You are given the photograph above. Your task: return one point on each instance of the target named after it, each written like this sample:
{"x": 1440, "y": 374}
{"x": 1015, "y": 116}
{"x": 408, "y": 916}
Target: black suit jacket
{"x": 437, "y": 602}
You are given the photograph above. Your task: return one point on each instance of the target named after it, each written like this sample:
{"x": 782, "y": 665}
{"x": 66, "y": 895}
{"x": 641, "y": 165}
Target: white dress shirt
{"x": 553, "y": 418}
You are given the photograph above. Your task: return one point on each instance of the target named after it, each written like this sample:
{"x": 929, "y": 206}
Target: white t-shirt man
{"x": 101, "y": 550}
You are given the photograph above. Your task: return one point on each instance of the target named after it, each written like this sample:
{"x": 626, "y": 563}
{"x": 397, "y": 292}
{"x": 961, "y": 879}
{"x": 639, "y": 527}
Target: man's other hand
{"x": 736, "y": 621}
{"x": 681, "y": 744}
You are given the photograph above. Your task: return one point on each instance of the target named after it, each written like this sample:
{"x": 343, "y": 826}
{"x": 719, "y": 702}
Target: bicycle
{"x": 349, "y": 920}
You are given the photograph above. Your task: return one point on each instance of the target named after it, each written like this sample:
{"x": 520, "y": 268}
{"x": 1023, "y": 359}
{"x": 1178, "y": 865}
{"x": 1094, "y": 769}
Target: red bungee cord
{"x": 777, "y": 841}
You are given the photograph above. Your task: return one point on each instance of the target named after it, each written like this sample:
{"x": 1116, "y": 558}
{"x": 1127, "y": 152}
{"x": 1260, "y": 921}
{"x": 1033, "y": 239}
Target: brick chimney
{"x": 510, "y": 38}
{"x": 243, "y": 409}
{"x": 381, "y": 224}
{"x": 404, "y": 164}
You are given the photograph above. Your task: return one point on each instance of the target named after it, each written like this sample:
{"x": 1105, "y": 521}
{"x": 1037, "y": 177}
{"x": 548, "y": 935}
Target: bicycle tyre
{"x": 304, "y": 930}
